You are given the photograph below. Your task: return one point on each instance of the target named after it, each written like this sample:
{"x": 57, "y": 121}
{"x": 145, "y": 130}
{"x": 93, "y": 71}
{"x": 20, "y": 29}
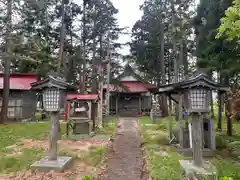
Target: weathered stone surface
{"x": 62, "y": 163}
{"x": 125, "y": 159}
{"x": 192, "y": 172}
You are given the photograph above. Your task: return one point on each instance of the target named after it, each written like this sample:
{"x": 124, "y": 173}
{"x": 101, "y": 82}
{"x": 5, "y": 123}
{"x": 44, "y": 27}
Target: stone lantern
{"x": 53, "y": 89}
{"x": 197, "y": 88}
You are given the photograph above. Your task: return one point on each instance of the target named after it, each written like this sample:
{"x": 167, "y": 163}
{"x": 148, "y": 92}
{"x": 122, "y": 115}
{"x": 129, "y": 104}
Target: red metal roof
{"x": 134, "y": 87}
{"x": 79, "y": 96}
{"x": 19, "y": 81}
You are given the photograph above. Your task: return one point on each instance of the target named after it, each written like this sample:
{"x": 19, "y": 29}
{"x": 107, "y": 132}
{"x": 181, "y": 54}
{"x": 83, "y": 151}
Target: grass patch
{"x": 94, "y": 158}
{"x": 109, "y": 126}
{"x": 167, "y": 167}
{"x": 11, "y": 134}
{"x": 163, "y": 161}
{"x": 14, "y": 164}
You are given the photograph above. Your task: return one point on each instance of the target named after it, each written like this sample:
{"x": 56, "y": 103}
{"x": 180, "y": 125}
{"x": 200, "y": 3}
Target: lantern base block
{"x": 44, "y": 165}
{"x": 207, "y": 171}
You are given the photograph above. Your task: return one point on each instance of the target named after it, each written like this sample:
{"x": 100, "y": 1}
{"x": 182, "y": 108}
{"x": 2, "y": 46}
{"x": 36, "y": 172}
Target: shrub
{"x": 234, "y": 146}
{"x": 221, "y": 143}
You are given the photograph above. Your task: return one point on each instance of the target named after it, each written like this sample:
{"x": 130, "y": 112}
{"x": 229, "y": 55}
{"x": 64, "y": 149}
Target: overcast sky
{"x": 128, "y": 14}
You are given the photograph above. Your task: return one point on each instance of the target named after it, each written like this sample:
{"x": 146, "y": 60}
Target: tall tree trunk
{"x": 62, "y": 38}
{"x": 211, "y": 99}
{"x": 83, "y": 70}
{"x": 108, "y": 77}
{"x": 174, "y": 52}
{"x": 7, "y": 63}
{"x": 162, "y": 70}
{"x": 228, "y": 109}
{"x": 94, "y": 75}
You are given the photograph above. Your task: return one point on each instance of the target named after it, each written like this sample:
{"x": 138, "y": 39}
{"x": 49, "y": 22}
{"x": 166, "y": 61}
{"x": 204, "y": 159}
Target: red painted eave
{"x": 79, "y": 96}
{"x": 19, "y": 81}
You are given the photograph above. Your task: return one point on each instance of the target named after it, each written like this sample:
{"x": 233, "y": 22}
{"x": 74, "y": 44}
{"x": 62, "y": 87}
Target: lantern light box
{"x": 53, "y": 89}
{"x": 198, "y": 100}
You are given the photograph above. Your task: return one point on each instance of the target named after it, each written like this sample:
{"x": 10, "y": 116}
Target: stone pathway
{"x": 125, "y": 159}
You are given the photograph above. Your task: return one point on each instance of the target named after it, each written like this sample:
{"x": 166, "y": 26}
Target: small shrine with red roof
{"x": 132, "y": 96}
{"x": 22, "y": 101}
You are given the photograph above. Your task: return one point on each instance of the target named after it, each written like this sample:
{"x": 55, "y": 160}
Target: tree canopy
{"x": 230, "y": 24}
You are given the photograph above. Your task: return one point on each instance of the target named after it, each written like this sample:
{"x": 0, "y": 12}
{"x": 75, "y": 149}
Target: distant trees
{"x": 54, "y": 35}
{"x": 161, "y": 41}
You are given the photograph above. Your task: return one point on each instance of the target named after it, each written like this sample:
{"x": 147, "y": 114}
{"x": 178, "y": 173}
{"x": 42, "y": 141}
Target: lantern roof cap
{"x": 52, "y": 80}
{"x": 198, "y": 79}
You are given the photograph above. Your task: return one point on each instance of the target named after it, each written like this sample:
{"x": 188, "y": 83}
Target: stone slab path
{"x": 125, "y": 160}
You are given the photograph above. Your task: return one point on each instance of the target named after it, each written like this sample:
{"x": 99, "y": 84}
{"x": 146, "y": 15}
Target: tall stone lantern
{"x": 53, "y": 89}
{"x": 197, "y": 88}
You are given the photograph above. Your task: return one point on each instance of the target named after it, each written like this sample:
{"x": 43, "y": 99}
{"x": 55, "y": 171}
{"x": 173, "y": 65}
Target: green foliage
{"x": 219, "y": 55}
{"x": 87, "y": 178}
{"x": 10, "y": 135}
{"x": 95, "y": 156}
{"x": 231, "y": 22}
{"x": 162, "y": 160}
{"x": 221, "y": 143}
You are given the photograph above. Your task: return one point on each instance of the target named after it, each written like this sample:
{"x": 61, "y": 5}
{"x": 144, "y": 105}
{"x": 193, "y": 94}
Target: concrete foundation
{"x": 44, "y": 165}
{"x": 189, "y": 153}
{"x": 89, "y": 137}
{"x": 192, "y": 172}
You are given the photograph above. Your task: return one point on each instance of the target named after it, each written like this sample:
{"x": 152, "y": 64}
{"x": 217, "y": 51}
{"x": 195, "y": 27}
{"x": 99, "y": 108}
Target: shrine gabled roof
{"x": 199, "y": 79}
{"x": 131, "y": 87}
{"x": 19, "y": 81}
{"x": 128, "y": 71}
{"x": 51, "y": 79}
{"x": 130, "y": 82}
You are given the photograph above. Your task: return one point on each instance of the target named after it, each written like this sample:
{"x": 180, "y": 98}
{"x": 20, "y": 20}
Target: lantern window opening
{"x": 199, "y": 99}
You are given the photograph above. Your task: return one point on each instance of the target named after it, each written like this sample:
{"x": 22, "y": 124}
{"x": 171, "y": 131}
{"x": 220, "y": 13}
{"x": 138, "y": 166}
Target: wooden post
{"x": 140, "y": 108}
{"x": 197, "y": 139}
{"x": 229, "y": 116}
{"x": 53, "y": 137}
{"x": 212, "y": 135}
{"x": 170, "y": 125}
{"x": 116, "y": 104}
{"x": 219, "y": 112}
{"x": 185, "y": 104}
{"x": 100, "y": 106}
{"x": 180, "y": 116}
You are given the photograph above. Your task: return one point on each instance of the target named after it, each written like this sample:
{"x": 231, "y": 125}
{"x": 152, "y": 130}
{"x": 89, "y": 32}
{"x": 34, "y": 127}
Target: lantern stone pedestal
{"x": 193, "y": 172}
{"x": 52, "y": 162}
{"x": 45, "y": 165}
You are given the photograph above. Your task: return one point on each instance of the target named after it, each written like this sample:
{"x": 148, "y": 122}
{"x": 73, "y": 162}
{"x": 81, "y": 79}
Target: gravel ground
{"x": 125, "y": 159}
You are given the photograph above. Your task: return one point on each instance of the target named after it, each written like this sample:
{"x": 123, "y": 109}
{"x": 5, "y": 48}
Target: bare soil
{"x": 125, "y": 160}
{"x": 77, "y": 172}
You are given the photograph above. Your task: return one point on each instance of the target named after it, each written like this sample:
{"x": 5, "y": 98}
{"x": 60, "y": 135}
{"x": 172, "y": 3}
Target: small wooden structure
{"x": 79, "y": 113}
{"x": 22, "y": 101}
{"x": 178, "y": 92}
{"x": 132, "y": 97}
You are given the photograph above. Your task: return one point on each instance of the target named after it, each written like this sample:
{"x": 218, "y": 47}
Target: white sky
{"x": 128, "y": 14}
